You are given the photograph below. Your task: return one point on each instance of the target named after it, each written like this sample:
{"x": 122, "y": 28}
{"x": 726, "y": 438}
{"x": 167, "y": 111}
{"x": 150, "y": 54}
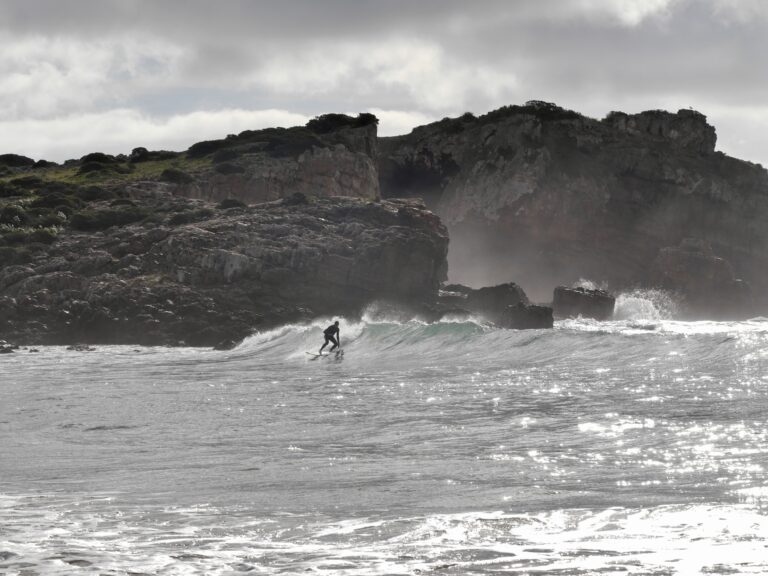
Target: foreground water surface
{"x": 615, "y": 448}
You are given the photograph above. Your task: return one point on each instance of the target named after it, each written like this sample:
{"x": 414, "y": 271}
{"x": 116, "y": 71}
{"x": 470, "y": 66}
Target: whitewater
{"x": 636, "y": 446}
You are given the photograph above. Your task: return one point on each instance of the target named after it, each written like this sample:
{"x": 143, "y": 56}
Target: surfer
{"x": 331, "y": 334}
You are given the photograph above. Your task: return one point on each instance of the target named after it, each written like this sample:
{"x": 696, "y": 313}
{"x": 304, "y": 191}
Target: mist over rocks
{"x": 707, "y": 282}
{"x": 544, "y": 196}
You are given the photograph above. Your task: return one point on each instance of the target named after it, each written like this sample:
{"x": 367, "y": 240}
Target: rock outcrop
{"x": 584, "y": 302}
{"x": 205, "y": 246}
{"x": 334, "y": 155}
{"x": 257, "y": 177}
{"x": 548, "y": 196}
{"x": 705, "y": 281}
{"x": 505, "y": 305}
{"x": 489, "y": 302}
{"x": 227, "y": 273}
{"x": 527, "y": 317}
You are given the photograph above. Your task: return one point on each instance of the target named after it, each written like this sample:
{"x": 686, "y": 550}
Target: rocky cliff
{"x": 333, "y": 155}
{"x": 545, "y": 196}
{"x": 136, "y": 249}
{"x": 224, "y": 274}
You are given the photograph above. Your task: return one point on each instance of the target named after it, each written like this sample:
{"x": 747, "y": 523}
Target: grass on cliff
{"x": 113, "y": 174}
{"x": 37, "y": 206}
{"x": 217, "y": 155}
{"x": 37, "y": 203}
{"x": 39, "y": 199}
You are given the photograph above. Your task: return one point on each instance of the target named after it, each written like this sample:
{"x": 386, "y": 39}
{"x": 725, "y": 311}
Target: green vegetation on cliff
{"x": 40, "y": 199}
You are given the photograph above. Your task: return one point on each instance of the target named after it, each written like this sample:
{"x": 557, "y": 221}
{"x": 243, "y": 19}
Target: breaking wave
{"x": 644, "y": 320}
{"x": 645, "y": 304}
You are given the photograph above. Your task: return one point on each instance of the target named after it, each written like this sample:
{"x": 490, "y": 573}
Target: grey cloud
{"x": 586, "y": 55}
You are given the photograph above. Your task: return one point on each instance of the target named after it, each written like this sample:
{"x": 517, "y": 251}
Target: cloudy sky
{"x": 83, "y": 75}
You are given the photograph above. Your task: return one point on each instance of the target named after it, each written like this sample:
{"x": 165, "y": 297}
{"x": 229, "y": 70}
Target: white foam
{"x": 645, "y": 305}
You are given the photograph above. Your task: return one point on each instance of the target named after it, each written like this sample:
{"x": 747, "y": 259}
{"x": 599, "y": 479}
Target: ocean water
{"x": 638, "y": 446}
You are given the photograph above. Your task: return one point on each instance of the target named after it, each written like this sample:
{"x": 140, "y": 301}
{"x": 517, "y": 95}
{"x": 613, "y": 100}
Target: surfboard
{"x": 337, "y": 354}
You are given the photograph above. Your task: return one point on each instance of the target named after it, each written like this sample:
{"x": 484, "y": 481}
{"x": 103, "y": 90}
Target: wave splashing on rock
{"x": 645, "y": 304}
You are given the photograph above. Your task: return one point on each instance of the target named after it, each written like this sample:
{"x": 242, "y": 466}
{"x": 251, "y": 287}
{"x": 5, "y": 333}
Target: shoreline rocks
{"x": 584, "y": 302}
{"x": 527, "y": 317}
{"x": 706, "y": 282}
{"x": 505, "y": 305}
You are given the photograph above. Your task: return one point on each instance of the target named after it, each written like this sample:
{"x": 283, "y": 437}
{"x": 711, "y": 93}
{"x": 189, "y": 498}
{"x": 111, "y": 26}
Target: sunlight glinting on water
{"x": 611, "y": 447}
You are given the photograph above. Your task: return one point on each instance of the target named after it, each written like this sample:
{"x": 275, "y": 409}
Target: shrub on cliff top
{"x": 45, "y": 235}
{"x": 55, "y": 200}
{"x": 330, "y": 122}
{"x": 95, "y": 169}
{"x": 539, "y": 108}
{"x": 56, "y": 188}
{"x": 13, "y": 215}
{"x": 200, "y": 149}
{"x": 141, "y": 154}
{"x": 27, "y": 182}
{"x": 12, "y": 237}
{"x": 99, "y": 157}
{"x": 176, "y": 176}
{"x": 8, "y": 190}
{"x": 16, "y": 161}
{"x": 48, "y": 218}
{"x": 90, "y": 167}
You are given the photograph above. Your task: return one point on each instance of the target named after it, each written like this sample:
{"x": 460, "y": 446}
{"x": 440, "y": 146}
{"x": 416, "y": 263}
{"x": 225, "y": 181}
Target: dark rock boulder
{"x": 16, "y": 161}
{"x": 573, "y": 302}
{"x": 489, "y": 302}
{"x": 493, "y": 301}
{"x": 706, "y": 282}
{"x": 527, "y": 316}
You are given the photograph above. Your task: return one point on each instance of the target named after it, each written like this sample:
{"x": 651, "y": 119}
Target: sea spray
{"x": 645, "y": 304}
{"x": 587, "y": 284}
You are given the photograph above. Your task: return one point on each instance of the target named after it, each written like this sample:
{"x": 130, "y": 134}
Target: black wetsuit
{"x": 331, "y": 333}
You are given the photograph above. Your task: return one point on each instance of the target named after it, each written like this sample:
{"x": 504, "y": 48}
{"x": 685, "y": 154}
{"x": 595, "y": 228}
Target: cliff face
{"x": 267, "y": 165}
{"x": 546, "y": 196}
